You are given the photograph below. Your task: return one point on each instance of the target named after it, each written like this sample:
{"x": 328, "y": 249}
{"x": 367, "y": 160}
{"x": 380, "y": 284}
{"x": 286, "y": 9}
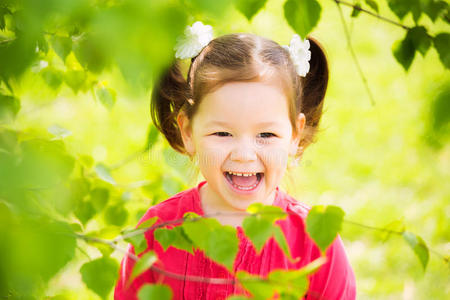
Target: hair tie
{"x": 300, "y": 54}
{"x": 195, "y": 38}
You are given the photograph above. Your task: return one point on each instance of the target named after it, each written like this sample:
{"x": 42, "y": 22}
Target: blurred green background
{"x": 380, "y": 163}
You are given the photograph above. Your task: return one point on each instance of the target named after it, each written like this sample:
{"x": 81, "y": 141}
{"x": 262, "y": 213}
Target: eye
{"x": 267, "y": 135}
{"x": 221, "y": 133}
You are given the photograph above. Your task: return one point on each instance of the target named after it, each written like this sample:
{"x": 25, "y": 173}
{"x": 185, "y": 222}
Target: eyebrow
{"x": 221, "y": 123}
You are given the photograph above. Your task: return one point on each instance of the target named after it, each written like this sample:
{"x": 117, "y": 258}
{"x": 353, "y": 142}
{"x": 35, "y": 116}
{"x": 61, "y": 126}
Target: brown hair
{"x": 240, "y": 57}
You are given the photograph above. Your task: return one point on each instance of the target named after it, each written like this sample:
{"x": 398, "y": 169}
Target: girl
{"x": 248, "y": 104}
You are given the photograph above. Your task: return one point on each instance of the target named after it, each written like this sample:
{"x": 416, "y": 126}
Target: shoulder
{"x": 174, "y": 207}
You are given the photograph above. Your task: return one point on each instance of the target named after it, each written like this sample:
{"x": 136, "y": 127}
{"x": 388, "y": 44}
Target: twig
{"x": 371, "y": 13}
{"x": 373, "y": 228}
{"x": 446, "y": 259}
{"x": 347, "y": 35}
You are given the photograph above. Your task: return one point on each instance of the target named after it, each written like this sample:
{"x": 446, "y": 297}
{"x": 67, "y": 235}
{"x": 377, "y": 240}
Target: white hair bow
{"x": 300, "y": 54}
{"x": 195, "y": 38}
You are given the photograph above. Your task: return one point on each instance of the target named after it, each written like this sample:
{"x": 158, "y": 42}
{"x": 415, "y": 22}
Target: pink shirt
{"x": 334, "y": 280}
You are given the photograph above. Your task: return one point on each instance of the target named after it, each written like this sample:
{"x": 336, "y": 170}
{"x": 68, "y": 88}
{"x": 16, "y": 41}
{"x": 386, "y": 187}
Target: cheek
{"x": 210, "y": 155}
{"x": 274, "y": 156}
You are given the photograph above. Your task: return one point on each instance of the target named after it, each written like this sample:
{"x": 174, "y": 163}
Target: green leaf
{"x": 100, "y": 275}
{"x": 106, "y": 250}
{"x": 419, "y": 247}
{"x": 282, "y": 242}
{"x": 99, "y": 198}
{"x": 3, "y": 11}
{"x": 302, "y": 15}
{"x": 219, "y": 243}
{"x": 75, "y": 79}
{"x": 107, "y": 97}
{"x": 258, "y": 231}
{"x": 323, "y": 224}
{"x": 249, "y": 7}
{"x": 174, "y": 237}
{"x": 260, "y": 288}
{"x": 237, "y": 297}
{"x": 116, "y": 215}
{"x": 42, "y": 247}
{"x": 44, "y": 163}
{"x": 440, "y": 118}
{"x": 400, "y": 7}
{"x": 52, "y": 77}
{"x": 420, "y": 39}
{"x": 92, "y": 53}
{"x": 373, "y": 4}
{"x": 8, "y": 140}
{"x": 293, "y": 283}
{"x": 148, "y": 223}
{"x": 442, "y": 45}
{"x": 404, "y": 51}
{"x": 62, "y": 46}
{"x": 108, "y": 232}
{"x": 356, "y": 11}
{"x": 143, "y": 264}
{"x": 104, "y": 173}
{"x": 223, "y": 245}
{"x": 208, "y": 7}
{"x": 86, "y": 160}
{"x": 76, "y": 227}
{"x": 42, "y": 44}
{"x": 267, "y": 212}
{"x": 84, "y": 211}
{"x": 138, "y": 241}
{"x": 9, "y": 107}
{"x": 155, "y": 291}
{"x": 433, "y": 8}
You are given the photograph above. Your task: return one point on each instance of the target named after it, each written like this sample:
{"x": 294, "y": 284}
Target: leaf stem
{"x": 347, "y": 35}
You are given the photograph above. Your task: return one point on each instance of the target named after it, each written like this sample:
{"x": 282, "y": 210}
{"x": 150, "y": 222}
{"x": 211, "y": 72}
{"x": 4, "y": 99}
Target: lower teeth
{"x": 245, "y": 188}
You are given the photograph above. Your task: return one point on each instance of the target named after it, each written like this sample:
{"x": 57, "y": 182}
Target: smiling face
{"x": 241, "y": 127}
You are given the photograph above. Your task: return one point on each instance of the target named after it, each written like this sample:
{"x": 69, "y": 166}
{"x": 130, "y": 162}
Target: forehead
{"x": 244, "y": 103}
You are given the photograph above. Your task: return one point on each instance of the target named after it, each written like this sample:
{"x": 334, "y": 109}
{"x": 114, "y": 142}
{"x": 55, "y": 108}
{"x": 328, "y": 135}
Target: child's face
{"x": 228, "y": 134}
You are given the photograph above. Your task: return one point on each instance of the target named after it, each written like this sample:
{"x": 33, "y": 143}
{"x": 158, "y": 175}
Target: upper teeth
{"x": 243, "y": 174}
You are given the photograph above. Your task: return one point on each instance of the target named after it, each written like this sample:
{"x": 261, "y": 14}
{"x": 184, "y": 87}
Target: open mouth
{"x": 244, "y": 181}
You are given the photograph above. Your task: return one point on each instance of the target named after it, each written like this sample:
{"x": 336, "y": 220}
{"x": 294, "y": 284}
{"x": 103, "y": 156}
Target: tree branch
{"x": 371, "y": 13}
{"x": 211, "y": 280}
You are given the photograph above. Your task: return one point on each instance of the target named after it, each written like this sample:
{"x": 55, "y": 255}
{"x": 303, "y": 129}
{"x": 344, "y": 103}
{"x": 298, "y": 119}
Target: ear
{"x": 300, "y": 123}
{"x": 186, "y": 132}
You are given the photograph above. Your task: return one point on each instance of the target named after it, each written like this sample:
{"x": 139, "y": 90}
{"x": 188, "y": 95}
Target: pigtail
{"x": 313, "y": 88}
{"x": 169, "y": 95}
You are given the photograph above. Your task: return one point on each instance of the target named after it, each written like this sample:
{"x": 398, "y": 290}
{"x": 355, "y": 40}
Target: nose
{"x": 244, "y": 150}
